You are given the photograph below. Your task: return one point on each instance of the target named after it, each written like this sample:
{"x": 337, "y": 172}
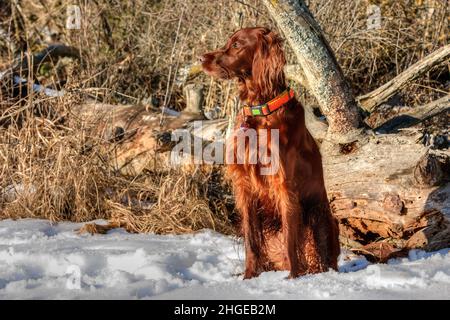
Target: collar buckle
{"x": 257, "y": 110}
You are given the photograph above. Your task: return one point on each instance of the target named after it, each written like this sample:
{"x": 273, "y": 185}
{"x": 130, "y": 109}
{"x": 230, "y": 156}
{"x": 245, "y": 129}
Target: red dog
{"x": 286, "y": 219}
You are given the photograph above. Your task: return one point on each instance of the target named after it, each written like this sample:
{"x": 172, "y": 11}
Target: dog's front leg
{"x": 290, "y": 211}
{"x": 253, "y": 240}
{"x": 252, "y": 232}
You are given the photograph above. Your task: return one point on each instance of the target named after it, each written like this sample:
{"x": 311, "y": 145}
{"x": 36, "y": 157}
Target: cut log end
{"x": 194, "y": 98}
{"x": 428, "y": 171}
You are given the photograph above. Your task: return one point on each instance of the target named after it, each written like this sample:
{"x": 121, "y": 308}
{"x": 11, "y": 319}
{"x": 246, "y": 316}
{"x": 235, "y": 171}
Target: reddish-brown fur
{"x": 286, "y": 219}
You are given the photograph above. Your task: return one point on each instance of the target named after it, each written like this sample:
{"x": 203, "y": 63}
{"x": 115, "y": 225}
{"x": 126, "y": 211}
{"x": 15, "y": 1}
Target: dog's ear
{"x": 268, "y": 62}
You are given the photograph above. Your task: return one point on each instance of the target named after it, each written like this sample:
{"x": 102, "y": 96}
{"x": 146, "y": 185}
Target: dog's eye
{"x": 235, "y": 45}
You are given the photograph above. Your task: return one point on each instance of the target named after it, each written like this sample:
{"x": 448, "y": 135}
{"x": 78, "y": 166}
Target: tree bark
{"x": 388, "y": 190}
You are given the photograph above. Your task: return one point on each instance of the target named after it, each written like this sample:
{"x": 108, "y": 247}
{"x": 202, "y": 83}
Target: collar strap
{"x": 271, "y": 106}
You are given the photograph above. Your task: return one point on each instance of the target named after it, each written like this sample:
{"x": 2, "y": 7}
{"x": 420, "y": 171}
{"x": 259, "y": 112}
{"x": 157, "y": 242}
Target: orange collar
{"x": 271, "y": 106}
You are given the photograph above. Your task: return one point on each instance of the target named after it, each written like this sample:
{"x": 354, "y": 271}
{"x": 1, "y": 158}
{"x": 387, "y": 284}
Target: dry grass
{"x": 44, "y": 172}
{"x": 48, "y": 172}
{"x": 52, "y": 165}
{"x": 55, "y": 168}
{"x": 184, "y": 203}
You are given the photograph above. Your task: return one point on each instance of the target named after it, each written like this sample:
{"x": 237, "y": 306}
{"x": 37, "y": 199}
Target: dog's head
{"x": 250, "y": 53}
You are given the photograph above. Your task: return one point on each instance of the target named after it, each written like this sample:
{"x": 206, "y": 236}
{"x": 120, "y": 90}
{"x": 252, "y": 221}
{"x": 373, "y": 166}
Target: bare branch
{"x": 375, "y": 98}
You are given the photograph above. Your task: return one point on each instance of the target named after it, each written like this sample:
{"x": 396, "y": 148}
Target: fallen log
{"x": 14, "y": 80}
{"x": 140, "y": 135}
{"x": 389, "y": 189}
{"x": 30, "y": 64}
{"x": 144, "y": 135}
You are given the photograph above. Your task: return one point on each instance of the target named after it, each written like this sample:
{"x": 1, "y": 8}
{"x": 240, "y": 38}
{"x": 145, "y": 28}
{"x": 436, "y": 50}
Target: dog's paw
{"x": 295, "y": 274}
{"x": 248, "y": 274}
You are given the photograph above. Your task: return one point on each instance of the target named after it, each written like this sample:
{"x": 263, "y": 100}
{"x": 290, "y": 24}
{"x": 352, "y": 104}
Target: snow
{"x": 39, "y": 88}
{"x": 43, "y": 261}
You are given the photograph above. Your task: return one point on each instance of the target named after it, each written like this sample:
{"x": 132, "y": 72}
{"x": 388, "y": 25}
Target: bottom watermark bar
{"x": 226, "y": 309}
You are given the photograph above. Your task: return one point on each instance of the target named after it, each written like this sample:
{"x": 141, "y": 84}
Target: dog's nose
{"x": 206, "y": 57}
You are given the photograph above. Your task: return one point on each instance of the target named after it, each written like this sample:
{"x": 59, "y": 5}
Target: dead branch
{"x": 51, "y": 53}
{"x": 375, "y": 98}
{"x": 395, "y": 118}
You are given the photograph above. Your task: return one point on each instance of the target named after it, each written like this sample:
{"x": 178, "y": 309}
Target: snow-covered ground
{"x": 39, "y": 260}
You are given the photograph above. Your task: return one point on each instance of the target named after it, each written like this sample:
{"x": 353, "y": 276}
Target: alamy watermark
{"x": 73, "y": 281}
{"x": 73, "y": 17}
{"x": 373, "y": 17}
{"x": 244, "y": 146}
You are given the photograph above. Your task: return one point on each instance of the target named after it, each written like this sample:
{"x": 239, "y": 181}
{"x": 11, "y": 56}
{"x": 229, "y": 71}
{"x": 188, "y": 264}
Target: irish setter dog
{"x": 286, "y": 219}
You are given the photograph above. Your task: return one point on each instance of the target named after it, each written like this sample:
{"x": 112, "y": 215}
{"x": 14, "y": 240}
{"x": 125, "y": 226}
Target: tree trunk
{"x": 320, "y": 68}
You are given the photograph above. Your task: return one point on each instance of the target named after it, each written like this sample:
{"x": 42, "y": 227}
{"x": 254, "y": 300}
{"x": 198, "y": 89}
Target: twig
{"x": 166, "y": 97}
